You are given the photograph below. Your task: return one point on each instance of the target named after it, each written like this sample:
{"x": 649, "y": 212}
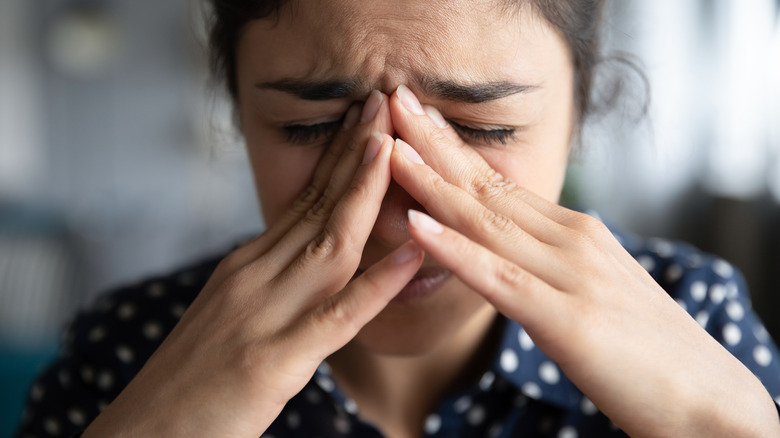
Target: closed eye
{"x": 310, "y": 134}
{"x": 484, "y": 136}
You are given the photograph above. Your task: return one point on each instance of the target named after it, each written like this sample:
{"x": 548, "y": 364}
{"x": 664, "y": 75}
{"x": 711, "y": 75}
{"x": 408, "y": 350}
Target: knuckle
{"x": 319, "y": 211}
{"x": 488, "y": 185}
{"x": 489, "y": 222}
{"x": 508, "y": 276}
{"x": 588, "y": 227}
{"x": 340, "y": 314}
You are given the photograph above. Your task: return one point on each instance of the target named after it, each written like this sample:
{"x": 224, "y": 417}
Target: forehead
{"x": 385, "y": 43}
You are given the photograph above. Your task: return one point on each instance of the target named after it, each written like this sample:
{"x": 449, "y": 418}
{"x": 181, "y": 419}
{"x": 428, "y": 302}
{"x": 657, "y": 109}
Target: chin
{"x": 423, "y": 326}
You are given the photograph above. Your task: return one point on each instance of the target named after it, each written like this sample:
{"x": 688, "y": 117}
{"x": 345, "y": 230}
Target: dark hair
{"x": 577, "y": 20}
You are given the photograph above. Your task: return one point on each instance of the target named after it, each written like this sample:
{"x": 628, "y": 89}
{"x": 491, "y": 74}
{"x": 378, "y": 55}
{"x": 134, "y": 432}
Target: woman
{"x": 425, "y": 285}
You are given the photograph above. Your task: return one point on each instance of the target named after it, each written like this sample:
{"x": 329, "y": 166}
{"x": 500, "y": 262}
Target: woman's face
{"x": 380, "y": 44}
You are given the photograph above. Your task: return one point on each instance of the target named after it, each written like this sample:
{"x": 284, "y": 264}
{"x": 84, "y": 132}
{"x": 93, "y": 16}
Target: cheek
{"x": 537, "y": 168}
{"x": 281, "y": 174}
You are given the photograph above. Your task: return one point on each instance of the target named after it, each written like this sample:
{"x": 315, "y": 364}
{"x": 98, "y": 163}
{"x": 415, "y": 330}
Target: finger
{"x": 333, "y": 173}
{"x": 337, "y": 320}
{"x": 512, "y": 290}
{"x": 332, "y": 256}
{"x": 442, "y": 148}
{"x": 249, "y": 251}
{"x": 489, "y": 228}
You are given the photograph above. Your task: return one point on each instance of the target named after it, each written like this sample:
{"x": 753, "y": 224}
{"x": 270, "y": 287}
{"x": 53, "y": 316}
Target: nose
{"x": 390, "y": 228}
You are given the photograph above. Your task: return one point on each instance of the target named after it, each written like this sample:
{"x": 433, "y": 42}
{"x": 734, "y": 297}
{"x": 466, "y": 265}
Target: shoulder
{"x": 105, "y": 346}
{"x": 716, "y": 295}
{"x": 692, "y": 277}
{"x": 126, "y": 325}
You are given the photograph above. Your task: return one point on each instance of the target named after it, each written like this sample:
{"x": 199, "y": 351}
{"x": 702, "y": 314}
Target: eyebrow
{"x": 471, "y": 92}
{"x": 311, "y": 90}
{"x": 442, "y": 89}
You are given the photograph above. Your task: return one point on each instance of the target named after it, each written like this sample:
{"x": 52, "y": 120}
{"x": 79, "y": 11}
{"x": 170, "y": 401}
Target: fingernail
{"x": 371, "y": 106}
{"x": 351, "y": 118}
{"x": 408, "y": 152}
{"x": 405, "y": 253}
{"x": 423, "y": 222}
{"x": 409, "y": 100}
{"x": 372, "y": 148}
{"x": 436, "y": 116}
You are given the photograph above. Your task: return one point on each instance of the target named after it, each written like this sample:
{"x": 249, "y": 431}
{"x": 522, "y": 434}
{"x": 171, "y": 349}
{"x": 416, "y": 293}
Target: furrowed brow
{"x": 471, "y": 92}
{"x": 313, "y": 90}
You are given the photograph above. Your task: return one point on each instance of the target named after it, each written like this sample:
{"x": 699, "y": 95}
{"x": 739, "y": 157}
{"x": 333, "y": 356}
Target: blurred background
{"x": 118, "y": 161}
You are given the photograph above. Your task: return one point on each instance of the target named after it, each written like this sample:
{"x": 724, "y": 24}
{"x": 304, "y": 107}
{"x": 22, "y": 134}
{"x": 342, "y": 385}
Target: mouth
{"x": 424, "y": 284}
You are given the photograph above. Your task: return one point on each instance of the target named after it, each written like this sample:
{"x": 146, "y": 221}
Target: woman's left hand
{"x": 579, "y": 295}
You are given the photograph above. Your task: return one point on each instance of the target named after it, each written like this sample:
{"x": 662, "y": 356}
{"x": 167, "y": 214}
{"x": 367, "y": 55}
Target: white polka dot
{"x": 87, "y": 374}
{"x": 532, "y": 390}
{"x": 703, "y": 317}
{"x": 64, "y": 378}
{"x": 324, "y": 368}
{"x": 36, "y": 392}
{"x": 762, "y": 355}
{"x": 178, "y": 310}
{"x": 102, "y": 405}
{"x": 126, "y": 311}
{"x": 587, "y": 407}
{"x": 495, "y": 430}
{"x": 52, "y": 426}
{"x": 735, "y": 310}
{"x": 760, "y": 332}
{"x": 476, "y": 415}
{"x": 342, "y": 426}
{"x": 699, "y": 290}
{"x": 155, "y": 290}
{"x": 549, "y": 373}
{"x": 350, "y": 406}
{"x": 520, "y": 400}
{"x": 432, "y": 424}
{"x": 732, "y": 334}
{"x": 732, "y": 290}
{"x": 567, "y": 432}
{"x": 77, "y": 417}
{"x": 313, "y": 396}
{"x": 186, "y": 279}
{"x": 717, "y": 293}
{"x": 681, "y": 303}
{"x": 673, "y": 273}
{"x": 526, "y": 343}
{"x": 96, "y": 334}
{"x": 509, "y": 360}
{"x": 487, "y": 381}
{"x": 152, "y": 330}
{"x": 462, "y": 404}
{"x": 647, "y": 262}
{"x": 663, "y": 248}
{"x": 293, "y": 419}
{"x": 722, "y": 268}
{"x": 125, "y": 353}
{"x": 325, "y": 383}
{"x": 105, "y": 380}
{"x": 693, "y": 261}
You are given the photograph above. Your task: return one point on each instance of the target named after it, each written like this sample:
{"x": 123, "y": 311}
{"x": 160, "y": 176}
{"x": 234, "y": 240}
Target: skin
{"x": 320, "y": 282}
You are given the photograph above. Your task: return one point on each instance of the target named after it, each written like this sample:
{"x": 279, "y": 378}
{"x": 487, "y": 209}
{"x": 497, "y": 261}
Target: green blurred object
{"x": 18, "y": 369}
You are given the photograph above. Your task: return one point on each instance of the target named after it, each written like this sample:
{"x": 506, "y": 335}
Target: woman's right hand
{"x": 275, "y": 308}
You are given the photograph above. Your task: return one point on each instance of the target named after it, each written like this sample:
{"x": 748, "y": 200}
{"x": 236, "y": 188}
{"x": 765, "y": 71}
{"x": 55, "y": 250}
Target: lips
{"x": 424, "y": 284}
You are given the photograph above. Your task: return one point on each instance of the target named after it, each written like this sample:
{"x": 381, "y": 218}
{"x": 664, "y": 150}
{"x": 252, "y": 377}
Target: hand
{"x": 276, "y": 307}
{"x": 578, "y": 294}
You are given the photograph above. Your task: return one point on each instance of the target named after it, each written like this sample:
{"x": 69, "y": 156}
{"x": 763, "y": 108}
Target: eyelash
{"x": 309, "y": 134}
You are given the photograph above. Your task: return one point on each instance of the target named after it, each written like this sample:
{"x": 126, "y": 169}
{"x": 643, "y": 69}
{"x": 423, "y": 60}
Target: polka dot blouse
{"x": 522, "y": 394}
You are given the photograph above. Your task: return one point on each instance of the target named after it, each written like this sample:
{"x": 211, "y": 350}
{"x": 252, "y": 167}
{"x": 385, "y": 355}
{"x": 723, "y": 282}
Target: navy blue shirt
{"x": 523, "y": 393}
